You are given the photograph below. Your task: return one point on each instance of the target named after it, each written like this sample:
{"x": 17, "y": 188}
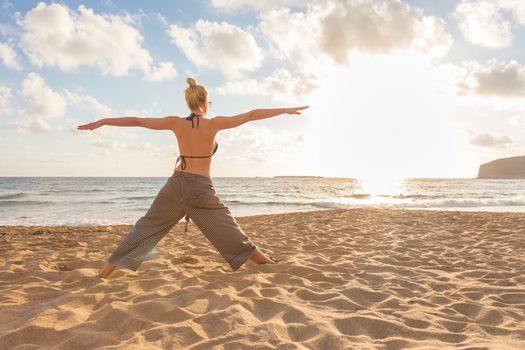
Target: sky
{"x": 419, "y": 88}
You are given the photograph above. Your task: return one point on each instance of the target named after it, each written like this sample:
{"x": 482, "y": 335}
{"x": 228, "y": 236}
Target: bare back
{"x": 196, "y": 141}
{"x": 200, "y": 141}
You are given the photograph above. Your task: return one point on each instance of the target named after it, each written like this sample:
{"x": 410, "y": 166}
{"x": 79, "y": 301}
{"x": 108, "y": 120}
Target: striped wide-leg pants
{"x": 192, "y": 195}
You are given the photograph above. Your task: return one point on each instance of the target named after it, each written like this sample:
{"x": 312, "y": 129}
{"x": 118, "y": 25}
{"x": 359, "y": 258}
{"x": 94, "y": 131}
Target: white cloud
{"x": 70, "y": 126}
{"x": 46, "y": 102}
{"x": 8, "y": 56}
{"x": 164, "y": 71}
{"x": 219, "y": 46}
{"x": 336, "y": 28}
{"x": 50, "y": 103}
{"x": 489, "y": 140}
{"x": 131, "y": 112}
{"x": 280, "y": 85}
{"x": 123, "y": 146}
{"x": 143, "y": 146}
{"x": 30, "y": 125}
{"x": 517, "y": 7}
{"x": 6, "y": 4}
{"x": 327, "y": 31}
{"x": 8, "y": 30}
{"x": 55, "y": 35}
{"x": 486, "y": 22}
{"x": 5, "y": 99}
{"x": 495, "y": 79}
{"x": 163, "y": 20}
{"x": 517, "y": 121}
{"x": 432, "y": 38}
{"x": 86, "y": 102}
{"x": 482, "y": 23}
{"x": 293, "y": 36}
{"x": 115, "y": 132}
{"x": 389, "y": 27}
{"x": 260, "y": 144}
{"x": 232, "y": 5}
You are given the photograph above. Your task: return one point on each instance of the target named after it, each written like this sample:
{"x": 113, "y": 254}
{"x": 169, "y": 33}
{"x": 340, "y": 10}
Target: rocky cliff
{"x": 504, "y": 168}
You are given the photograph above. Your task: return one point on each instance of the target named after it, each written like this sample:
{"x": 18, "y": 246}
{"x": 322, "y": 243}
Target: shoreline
{"x": 255, "y": 216}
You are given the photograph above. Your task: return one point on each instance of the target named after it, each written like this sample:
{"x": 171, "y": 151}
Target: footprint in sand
{"x": 54, "y": 266}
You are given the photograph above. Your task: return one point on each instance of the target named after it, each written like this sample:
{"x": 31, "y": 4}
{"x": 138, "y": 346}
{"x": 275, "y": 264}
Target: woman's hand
{"x": 295, "y": 110}
{"x": 91, "y": 126}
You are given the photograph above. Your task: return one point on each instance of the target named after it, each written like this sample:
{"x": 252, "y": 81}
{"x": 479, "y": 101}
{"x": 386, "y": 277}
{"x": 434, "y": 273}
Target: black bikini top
{"x": 191, "y": 117}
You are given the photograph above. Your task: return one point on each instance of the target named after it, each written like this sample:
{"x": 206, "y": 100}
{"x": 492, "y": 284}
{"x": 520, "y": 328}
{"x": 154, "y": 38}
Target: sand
{"x": 347, "y": 279}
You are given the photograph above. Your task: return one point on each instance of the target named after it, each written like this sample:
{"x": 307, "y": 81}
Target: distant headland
{"x": 503, "y": 168}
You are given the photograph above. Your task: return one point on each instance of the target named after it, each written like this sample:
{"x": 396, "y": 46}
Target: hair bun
{"x": 191, "y": 82}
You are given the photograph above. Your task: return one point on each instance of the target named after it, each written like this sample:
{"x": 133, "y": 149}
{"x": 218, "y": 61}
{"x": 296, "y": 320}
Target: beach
{"x": 346, "y": 279}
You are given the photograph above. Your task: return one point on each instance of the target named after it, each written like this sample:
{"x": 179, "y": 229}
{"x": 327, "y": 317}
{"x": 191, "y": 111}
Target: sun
{"x": 381, "y": 185}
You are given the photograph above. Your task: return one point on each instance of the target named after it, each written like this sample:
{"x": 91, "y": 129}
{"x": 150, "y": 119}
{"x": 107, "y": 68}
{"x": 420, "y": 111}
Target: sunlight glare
{"x": 381, "y": 185}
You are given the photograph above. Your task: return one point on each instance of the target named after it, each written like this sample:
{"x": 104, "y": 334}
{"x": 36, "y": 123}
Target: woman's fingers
{"x": 297, "y": 109}
{"x": 89, "y": 126}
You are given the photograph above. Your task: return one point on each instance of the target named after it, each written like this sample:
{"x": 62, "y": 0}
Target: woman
{"x": 189, "y": 191}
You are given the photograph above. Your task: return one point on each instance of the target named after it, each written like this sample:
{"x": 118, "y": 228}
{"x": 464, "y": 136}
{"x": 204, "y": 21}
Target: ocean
{"x": 77, "y": 201}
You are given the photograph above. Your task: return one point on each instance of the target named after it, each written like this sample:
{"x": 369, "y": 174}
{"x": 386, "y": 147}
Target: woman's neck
{"x": 199, "y": 113}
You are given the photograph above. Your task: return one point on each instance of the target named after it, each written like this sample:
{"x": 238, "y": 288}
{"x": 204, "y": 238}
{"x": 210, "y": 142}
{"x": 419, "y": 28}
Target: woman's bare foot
{"x": 107, "y": 270}
{"x": 259, "y": 258}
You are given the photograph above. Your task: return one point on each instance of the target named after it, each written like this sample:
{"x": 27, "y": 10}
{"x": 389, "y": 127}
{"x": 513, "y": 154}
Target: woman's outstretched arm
{"x": 256, "y": 114}
{"x": 166, "y": 123}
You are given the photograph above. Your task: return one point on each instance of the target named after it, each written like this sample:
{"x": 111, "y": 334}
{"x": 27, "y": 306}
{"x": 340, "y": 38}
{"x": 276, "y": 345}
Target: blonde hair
{"x": 196, "y": 95}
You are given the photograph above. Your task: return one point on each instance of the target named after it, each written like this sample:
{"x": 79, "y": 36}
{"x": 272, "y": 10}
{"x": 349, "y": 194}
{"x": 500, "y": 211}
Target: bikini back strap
{"x": 193, "y": 116}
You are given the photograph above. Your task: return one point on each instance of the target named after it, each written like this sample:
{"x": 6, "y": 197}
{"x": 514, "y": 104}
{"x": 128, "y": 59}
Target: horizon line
{"x": 267, "y": 177}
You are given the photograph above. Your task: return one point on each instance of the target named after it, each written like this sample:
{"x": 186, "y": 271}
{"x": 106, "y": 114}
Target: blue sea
{"x": 76, "y": 201}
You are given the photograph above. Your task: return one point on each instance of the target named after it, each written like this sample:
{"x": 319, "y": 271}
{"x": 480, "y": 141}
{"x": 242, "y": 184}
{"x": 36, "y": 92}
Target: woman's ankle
{"x": 259, "y": 258}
